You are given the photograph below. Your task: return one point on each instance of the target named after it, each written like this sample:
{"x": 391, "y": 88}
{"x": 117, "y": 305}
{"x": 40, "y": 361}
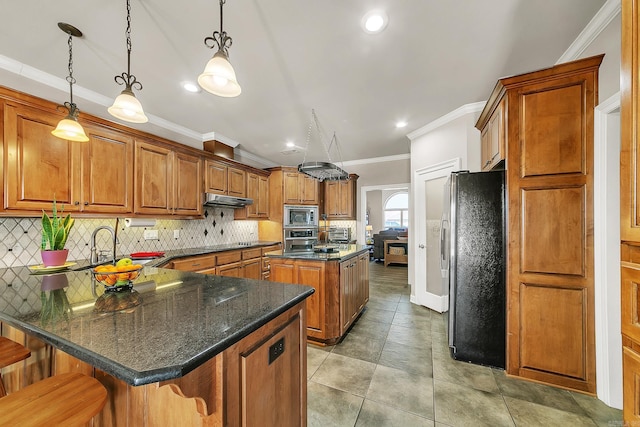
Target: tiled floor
{"x": 394, "y": 369}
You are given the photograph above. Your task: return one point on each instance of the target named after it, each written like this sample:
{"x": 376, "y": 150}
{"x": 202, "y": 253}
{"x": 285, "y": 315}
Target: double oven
{"x": 300, "y": 228}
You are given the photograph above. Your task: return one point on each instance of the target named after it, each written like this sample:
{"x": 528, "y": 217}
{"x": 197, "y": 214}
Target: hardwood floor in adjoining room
{"x": 393, "y": 369}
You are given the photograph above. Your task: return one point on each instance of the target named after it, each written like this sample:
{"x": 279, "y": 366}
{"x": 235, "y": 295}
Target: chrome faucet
{"x": 94, "y": 253}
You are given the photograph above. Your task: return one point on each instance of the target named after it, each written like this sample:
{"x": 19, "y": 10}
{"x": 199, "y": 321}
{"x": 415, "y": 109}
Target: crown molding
{"x": 210, "y": 136}
{"x": 598, "y": 23}
{"x": 371, "y": 160}
{"x": 257, "y": 159}
{"x": 475, "y": 107}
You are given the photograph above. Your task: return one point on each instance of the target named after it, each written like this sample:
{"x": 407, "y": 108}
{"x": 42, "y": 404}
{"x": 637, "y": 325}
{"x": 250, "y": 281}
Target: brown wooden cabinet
{"x": 92, "y": 177}
{"x": 166, "y": 181}
{"x": 300, "y": 189}
{"x": 245, "y": 263}
{"x": 340, "y": 198}
{"x": 629, "y": 209}
{"x": 548, "y": 122}
{"x": 492, "y": 137}
{"x": 222, "y": 178}
{"x": 258, "y": 191}
{"x": 341, "y": 292}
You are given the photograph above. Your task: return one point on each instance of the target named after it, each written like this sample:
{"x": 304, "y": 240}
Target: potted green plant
{"x": 55, "y": 231}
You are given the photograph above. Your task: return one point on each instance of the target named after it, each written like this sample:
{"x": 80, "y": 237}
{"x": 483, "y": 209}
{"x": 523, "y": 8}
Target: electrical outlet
{"x": 151, "y": 235}
{"x": 176, "y": 234}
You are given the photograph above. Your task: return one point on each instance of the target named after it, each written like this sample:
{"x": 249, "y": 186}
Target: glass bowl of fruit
{"x": 118, "y": 277}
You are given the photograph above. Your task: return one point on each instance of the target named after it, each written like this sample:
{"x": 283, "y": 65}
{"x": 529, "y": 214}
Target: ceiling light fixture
{"x": 401, "y": 124}
{"x": 191, "y": 87}
{"x": 69, "y": 128}
{"x": 126, "y": 106}
{"x": 218, "y": 76}
{"x": 374, "y": 22}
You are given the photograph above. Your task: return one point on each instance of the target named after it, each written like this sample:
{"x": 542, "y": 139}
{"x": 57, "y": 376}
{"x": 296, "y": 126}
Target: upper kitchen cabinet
{"x": 491, "y": 126}
{"x": 548, "y": 123}
{"x": 299, "y": 188}
{"x": 222, "y": 178}
{"x": 340, "y": 198}
{"x": 91, "y": 177}
{"x": 167, "y": 182}
{"x": 258, "y": 191}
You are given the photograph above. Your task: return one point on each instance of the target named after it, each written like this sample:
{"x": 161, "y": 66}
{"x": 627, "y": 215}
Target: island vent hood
{"x": 221, "y": 200}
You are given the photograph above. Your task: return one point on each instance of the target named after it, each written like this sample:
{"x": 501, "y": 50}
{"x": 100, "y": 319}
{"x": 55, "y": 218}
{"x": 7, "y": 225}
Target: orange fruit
{"x": 133, "y": 275}
{"x": 110, "y": 280}
{"x": 123, "y": 277}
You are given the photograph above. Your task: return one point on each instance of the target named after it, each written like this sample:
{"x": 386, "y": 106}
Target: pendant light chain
{"x": 73, "y": 110}
{"x": 128, "y": 33}
{"x": 220, "y": 38}
{"x": 128, "y": 79}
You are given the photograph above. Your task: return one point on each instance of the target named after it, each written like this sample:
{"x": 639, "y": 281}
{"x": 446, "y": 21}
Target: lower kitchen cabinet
{"x": 245, "y": 263}
{"x": 342, "y": 291}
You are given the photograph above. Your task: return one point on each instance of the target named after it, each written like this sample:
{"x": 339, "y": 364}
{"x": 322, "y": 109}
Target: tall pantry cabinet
{"x": 542, "y": 123}
{"x": 630, "y": 210}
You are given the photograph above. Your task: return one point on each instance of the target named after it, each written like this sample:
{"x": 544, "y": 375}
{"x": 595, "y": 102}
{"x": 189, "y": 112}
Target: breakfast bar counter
{"x": 176, "y": 328}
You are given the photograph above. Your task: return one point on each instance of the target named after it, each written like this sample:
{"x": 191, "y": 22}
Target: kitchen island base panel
{"x": 229, "y": 389}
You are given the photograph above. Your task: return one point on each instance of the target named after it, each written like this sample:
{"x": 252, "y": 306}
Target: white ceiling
{"x": 290, "y": 56}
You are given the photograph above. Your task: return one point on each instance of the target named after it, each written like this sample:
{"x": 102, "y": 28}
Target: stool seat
{"x": 10, "y": 353}
{"x": 67, "y": 399}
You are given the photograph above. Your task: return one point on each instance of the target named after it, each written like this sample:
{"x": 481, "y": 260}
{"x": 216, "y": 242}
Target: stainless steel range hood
{"x": 221, "y": 200}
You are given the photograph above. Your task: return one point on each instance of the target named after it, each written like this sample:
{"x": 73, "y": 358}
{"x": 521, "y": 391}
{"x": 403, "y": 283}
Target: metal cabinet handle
{"x": 76, "y": 203}
{"x": 421, "y": 246}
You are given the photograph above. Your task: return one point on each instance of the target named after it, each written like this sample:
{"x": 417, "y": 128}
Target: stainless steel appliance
{"x": 473, "y": 259}
{"x": 300, "y": 216}
{"x": 221, "y": 200}
{"x": 339, "y": 234}
{"x": 300, "y": 239}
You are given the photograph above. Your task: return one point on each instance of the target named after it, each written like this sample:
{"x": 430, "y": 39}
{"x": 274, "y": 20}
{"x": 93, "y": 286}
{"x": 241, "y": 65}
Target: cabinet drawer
{"x": 251, "y": 253}
{"x": 229, "y": 257}
{"x": 195, "y": 263}
{"x": 271, "y": 248}
{"x": 266, "y": 263}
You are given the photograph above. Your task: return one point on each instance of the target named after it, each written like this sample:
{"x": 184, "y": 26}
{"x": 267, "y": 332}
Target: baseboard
{"x": 439, "y": 303}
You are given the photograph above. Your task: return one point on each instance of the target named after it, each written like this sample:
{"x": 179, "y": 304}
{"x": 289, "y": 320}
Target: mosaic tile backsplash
{"x": 20, "y": 237}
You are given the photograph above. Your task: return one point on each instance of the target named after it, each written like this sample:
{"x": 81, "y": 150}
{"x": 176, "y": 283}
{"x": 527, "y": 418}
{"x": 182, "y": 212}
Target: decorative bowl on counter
{"x": 116, "y": 278}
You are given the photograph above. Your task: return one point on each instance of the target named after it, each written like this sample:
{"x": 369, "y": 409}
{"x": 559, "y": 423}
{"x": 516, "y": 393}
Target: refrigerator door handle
{"x": 443, "y": 250}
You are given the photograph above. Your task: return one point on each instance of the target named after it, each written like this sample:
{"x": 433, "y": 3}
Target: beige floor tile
{"x": 457, "y": 405}
{"x": 345, "y": 373}
{"x": 315, "y": 357}
{"x": 374, "y": 414}
{"x": 330, "y": 407}
{"x": 402, "y": 390}
{"x": 360, "y": 347}
{"x": 462, "y": 373}
{"x": 409, "y": 359}
{"x": 531, "y": 414}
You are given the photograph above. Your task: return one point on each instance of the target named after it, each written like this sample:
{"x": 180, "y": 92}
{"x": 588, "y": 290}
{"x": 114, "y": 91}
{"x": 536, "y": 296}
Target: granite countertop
{"x": 181, "y": 253}
{"x": 341, "y": 252}
{"x": 184, "y": 318}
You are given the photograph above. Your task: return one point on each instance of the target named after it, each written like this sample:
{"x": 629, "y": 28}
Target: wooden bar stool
{"x": 10, "y": 353}
{"x": 70, "y": 399}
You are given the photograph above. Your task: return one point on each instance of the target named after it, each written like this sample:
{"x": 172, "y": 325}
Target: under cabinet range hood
{"x": 221, "y": 200}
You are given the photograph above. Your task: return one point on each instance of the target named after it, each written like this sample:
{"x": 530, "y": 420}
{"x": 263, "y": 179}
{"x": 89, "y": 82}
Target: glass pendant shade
{"x": 127, "y": 107}
{"x": 219, "y": 78}
{"x": 69, "y": 129}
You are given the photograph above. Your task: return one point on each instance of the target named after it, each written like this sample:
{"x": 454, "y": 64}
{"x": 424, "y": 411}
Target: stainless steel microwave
{"x": 300, "y": 216}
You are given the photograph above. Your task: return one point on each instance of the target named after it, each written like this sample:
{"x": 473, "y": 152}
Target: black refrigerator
{"x": 473, "y": 247}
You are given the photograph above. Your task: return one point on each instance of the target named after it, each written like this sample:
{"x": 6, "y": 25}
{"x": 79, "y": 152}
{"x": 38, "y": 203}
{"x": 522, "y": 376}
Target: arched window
{"x": 396, "y": 211}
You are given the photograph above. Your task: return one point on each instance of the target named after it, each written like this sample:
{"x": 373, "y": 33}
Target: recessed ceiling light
{"x": 374, "y": 22}
{"x": 401, "y": 124}
{"x": 191, "y": 87}
{"x": 291, "y": 144}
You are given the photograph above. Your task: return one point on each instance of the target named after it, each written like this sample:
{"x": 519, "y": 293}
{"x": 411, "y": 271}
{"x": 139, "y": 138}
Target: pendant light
{"x": 218, "y": 76}
{"x": 126, "y": 106}
{"x": 69, "y": 128}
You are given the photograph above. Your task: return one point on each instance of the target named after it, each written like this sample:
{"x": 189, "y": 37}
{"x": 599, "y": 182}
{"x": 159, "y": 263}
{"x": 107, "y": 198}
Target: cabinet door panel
{"x": 291, "y": 192}
{"x": 215, "y": 177}
{"x": 313, "y": 275}
{"x": 153, "y": 181}
{"x": 236, "y": 182}
{"x": 39, "y": 165}
{"x": 308, "y": 188}
{"x": 252, "y": 269}
{"x": 271, "y": 384}
{"x": 263, "y": 199}
{"x": 107, "y": 184}
{"x": 188, "y": 182}
{"x": 230, "y": 270}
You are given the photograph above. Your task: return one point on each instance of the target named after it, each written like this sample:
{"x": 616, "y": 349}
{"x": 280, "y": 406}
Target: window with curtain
{"x": 396, "y": 210}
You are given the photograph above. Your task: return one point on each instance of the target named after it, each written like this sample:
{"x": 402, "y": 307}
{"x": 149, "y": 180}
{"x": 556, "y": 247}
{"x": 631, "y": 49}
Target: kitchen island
{"x": 341, "y": 282}
{"x": 216, "y": 350}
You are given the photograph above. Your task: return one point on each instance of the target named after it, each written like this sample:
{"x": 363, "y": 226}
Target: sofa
{"x": 378, "y": 240}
